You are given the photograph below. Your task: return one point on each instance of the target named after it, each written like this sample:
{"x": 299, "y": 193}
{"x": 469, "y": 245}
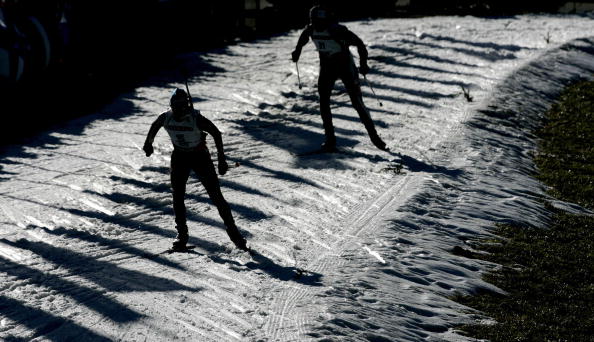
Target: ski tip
{"x": 186, "y": 249}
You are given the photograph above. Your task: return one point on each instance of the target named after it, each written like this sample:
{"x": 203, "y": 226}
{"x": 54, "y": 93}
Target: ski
{"x": 187, "y": 249}
{"x": 192, "y": 249}
{"x": 318, "y": 151}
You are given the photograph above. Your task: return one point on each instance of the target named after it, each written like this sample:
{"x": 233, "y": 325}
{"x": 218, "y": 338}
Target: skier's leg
{"x": 351, "y": 82}
{"x": 205, "y": 170}
{"x": 354, "y": 91}
{"x": 180, "y": 170}
{"x": 208, "y": 177}
{"x": 325, "y": 84}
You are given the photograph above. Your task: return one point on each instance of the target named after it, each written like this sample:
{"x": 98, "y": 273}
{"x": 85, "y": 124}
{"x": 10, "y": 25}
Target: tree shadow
{"x": 74, "y": 113}
{"x": 128, "y": 223}
{"x": 356, "y": 120}
{"x": 341, "y": 91}
{"x": 492, "y": 56}
{"x": 44, "y": 324}
{"x": 487, "y": 125}
{"x": 70, "y": 141}
{"x": 310, "y": 106}
{"x": 419, "y": 55}
{"x": 393, "y": 75}
{"x": 111, "y": 244}
{"x": 400, "y": 63}
{"x": 5, "y": 175}
{"x": 399, "y": 100}
{"x": 162, "y": 187}
{"x": 164, "y": 208}
{"x": 247, "y": 163}
{"x": 118, "y": 221}
{"x": 244, "y": 211}
{"x": 226, "y": 183}
{"x": 375, "y": 109}
{"x": 105, "y": 274}
{"x": 277, "y": 174}
{"x": 157, "y": 169}
{"x": 414, "y": 92}
{"x": 119, "y": 109}
{"x": 94, "y": 299}
{"x": 483, "y": 45}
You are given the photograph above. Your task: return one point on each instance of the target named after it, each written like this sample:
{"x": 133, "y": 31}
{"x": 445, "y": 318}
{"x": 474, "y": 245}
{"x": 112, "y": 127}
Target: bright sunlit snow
{"x": 354, "y": 246}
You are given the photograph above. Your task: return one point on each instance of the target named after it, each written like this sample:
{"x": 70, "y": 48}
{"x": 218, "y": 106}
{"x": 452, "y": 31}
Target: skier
{"x": 332, "y": 42}
{"x": 186, "y": 128}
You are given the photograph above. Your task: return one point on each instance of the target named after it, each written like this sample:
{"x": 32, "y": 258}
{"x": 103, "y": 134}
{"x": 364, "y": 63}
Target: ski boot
{"x": 329, "y": 146}
{"x": 378, "y": 142}
{"x": 180, "y": 241}
{"x": 238, "y": 240}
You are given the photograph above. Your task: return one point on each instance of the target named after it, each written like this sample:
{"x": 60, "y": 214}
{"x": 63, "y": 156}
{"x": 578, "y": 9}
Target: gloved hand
{"x": 148, "y": 149}
{"x": 364, "y": 69}
{"x": 223, "y": 167}
{"x": 295, "y": 55}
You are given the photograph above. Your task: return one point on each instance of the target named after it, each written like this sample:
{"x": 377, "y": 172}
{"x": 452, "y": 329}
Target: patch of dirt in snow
{"x": 351, "y": 245}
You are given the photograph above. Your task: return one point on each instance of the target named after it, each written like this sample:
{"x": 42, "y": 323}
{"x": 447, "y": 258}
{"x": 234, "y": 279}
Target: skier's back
{"x": 332, "y": 41}
{"x": 186, "y": 128}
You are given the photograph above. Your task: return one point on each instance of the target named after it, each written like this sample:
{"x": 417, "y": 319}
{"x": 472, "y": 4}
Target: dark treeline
{"x": 63, "y": 50}
{"x": 483, "y": 8}
{"x": 100, "y": 36}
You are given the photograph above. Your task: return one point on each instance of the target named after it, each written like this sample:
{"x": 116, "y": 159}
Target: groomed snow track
{"x": 350, "y": 247}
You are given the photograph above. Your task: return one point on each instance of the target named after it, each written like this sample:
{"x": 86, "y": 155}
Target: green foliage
{"x": 566, "y": 151}
{"x": 549, "y": 277}
{"x": 548, "y": 274}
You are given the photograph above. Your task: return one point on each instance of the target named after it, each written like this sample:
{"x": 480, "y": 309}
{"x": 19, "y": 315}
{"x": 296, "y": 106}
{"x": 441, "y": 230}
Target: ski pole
{"x": 373, "y": 91}
{"x": 192, "y": 102}
{"x": 298, "y": 78}
{"x": 189, "y": 95}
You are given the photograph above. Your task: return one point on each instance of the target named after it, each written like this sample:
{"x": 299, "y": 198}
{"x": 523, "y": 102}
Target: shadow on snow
{"x": 44, "y": 324}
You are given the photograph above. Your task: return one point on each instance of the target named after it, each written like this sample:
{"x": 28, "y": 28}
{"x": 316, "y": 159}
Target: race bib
{"x": 325, "y": 44}
{"x": 184, "y": 133}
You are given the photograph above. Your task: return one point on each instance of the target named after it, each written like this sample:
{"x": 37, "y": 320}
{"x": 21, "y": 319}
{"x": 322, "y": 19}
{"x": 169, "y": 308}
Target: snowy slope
{"x": 349, "y": 248}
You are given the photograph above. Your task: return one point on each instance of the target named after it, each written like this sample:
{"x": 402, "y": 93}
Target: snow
{"x": 351, "y": 248}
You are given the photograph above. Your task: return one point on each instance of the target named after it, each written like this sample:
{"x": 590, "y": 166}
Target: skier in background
{"x": 332, "y": 42}
{"x": 186, "y": 128}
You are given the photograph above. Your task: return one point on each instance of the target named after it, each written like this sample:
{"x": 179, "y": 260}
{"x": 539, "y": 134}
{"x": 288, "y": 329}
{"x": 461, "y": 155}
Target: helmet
{"x": 319, "y": 15}
{"x": 178, "y": 98}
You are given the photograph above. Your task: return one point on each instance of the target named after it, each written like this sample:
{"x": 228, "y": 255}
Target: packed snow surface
{"x": 352, "y": 246}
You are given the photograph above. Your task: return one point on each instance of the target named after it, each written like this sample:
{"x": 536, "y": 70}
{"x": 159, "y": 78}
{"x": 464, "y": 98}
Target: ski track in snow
{"x": 348, "y": 248}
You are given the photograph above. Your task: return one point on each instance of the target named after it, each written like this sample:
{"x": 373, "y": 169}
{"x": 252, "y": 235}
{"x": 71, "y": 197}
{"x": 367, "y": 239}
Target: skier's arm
{"x": 207, "y": 126}
{"x": 353, "y": 39}
{"x": 303, "y": 39}
{"x": 150, "y": 137}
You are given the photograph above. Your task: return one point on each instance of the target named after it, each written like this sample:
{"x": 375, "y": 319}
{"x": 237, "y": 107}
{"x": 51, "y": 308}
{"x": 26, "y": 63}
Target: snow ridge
{"x": 494, "y": 184}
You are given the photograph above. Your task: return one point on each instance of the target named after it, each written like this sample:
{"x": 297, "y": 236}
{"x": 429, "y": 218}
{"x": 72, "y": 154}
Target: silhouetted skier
{"x": 332, "y": 42}
{"x": 186, "y": 128}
